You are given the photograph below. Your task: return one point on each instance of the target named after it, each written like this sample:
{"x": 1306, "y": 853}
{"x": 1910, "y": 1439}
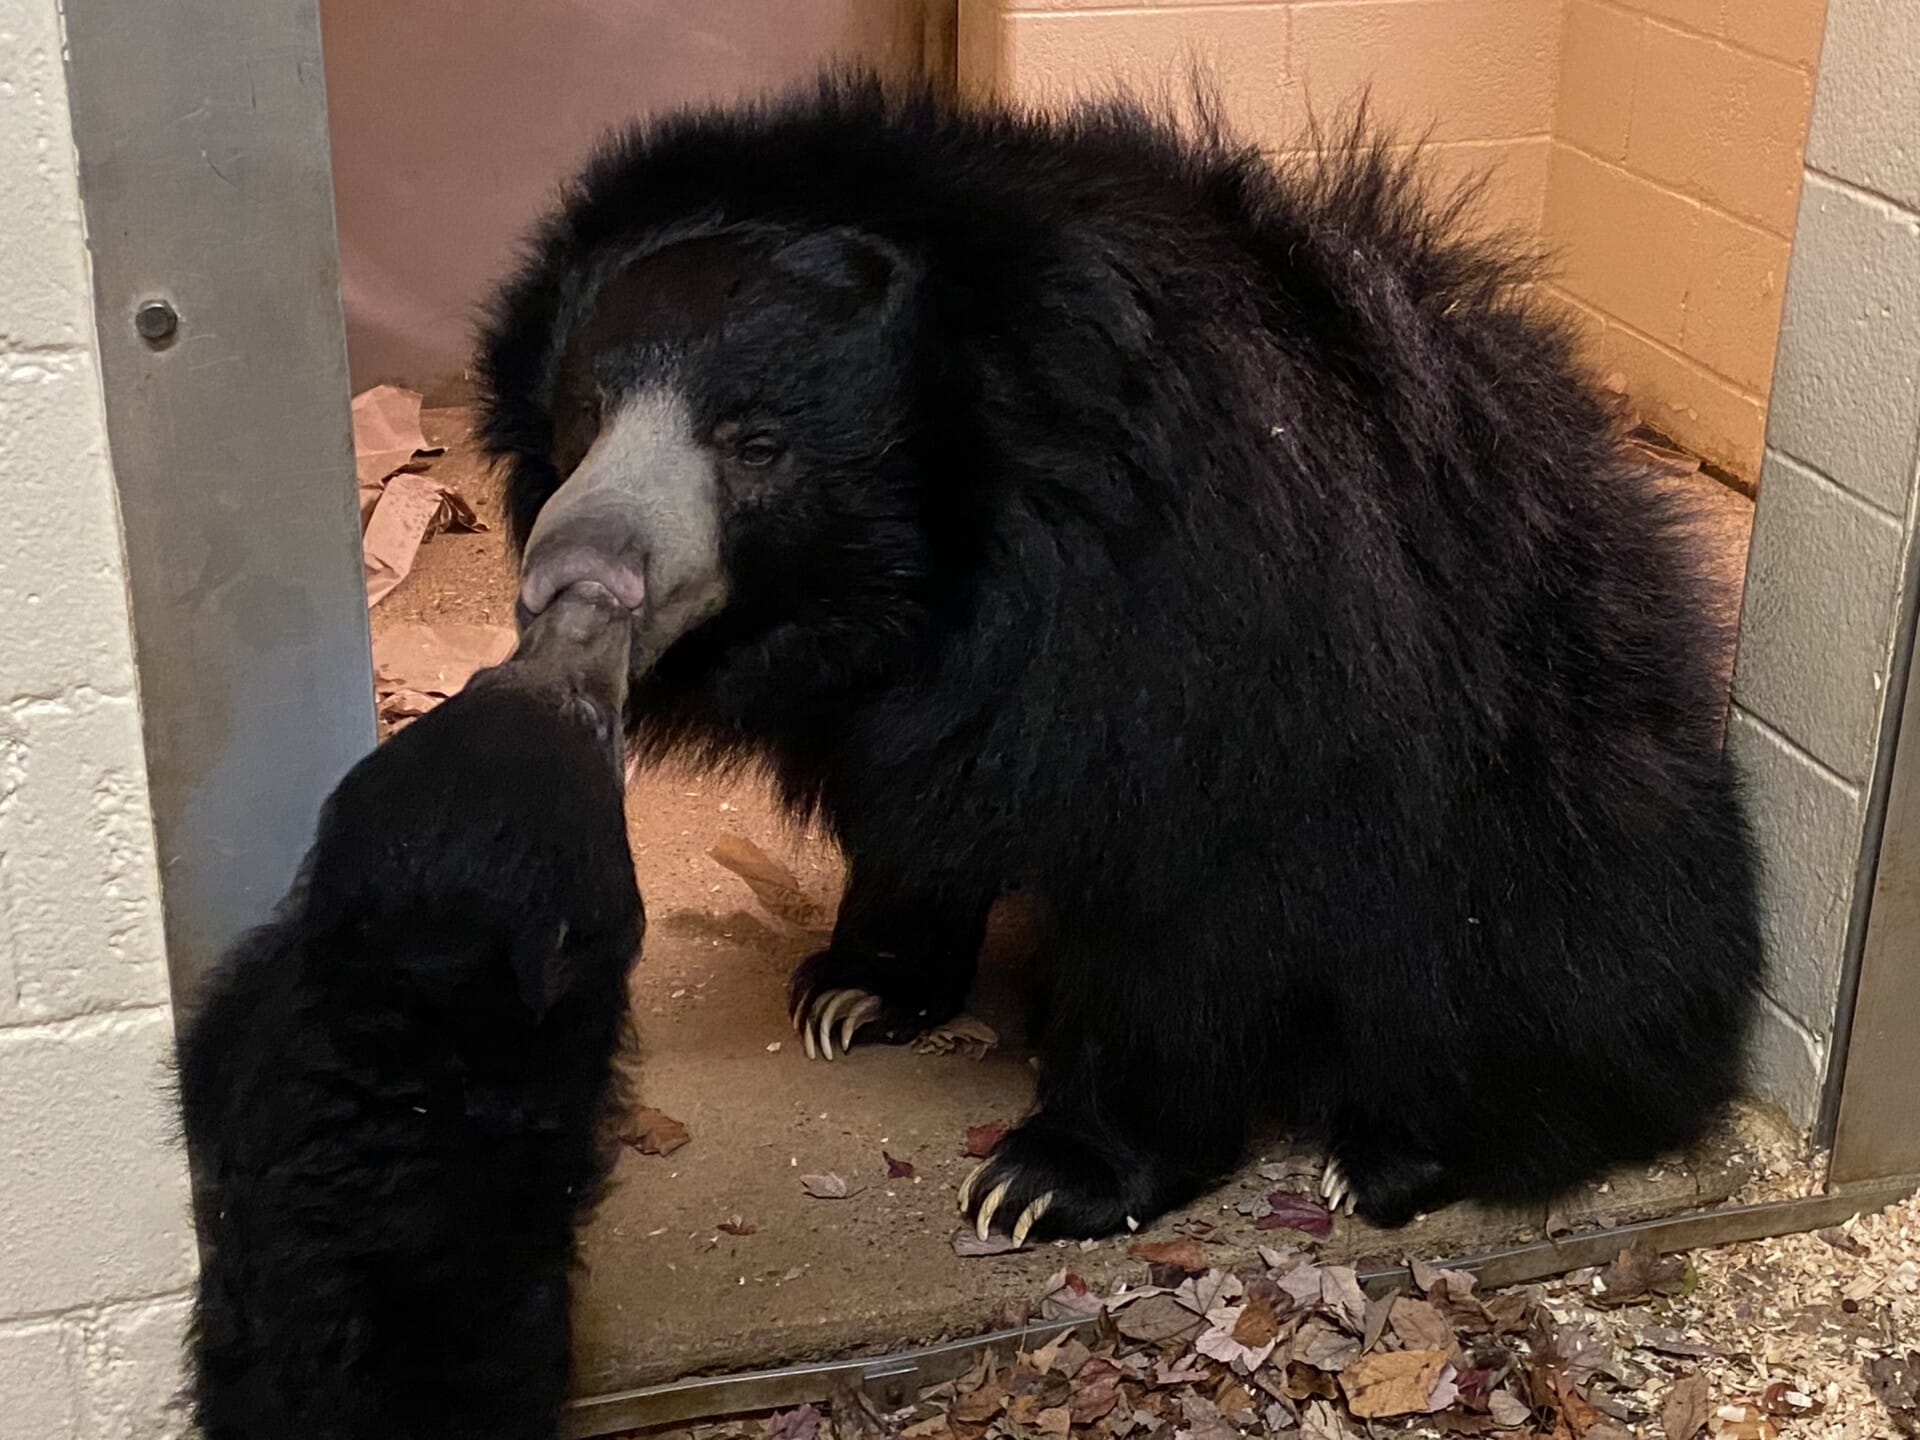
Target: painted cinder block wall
{"x": 1671, "y": 196}
{"x": 1478, "y": 76}
{"x": 1834, "y": 538}
{"x": 1653, "y": 146}
{"x": 96, "y": 1248}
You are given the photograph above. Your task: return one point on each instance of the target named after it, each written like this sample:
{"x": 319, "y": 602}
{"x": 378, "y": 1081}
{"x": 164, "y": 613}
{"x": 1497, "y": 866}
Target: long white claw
{"x": 1336, "y": 1189}
{"x": 830, "y": 1007}
{"x": 1029, "y": 1216}
{"x": 966, "y": 1185}
{"x": 851, "y": 1022}
{"x": 806, "y": 1034}
{"x": 983, "y": 1223}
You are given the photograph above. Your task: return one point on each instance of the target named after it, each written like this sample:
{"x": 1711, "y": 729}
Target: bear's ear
{"x": 861, "y": 266}
{"x": 538, "y": 968}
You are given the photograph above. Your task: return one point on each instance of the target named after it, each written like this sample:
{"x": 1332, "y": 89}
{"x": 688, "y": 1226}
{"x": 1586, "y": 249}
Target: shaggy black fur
{"x": 1229, "y": 555}
{"x": 395, "y": 1092}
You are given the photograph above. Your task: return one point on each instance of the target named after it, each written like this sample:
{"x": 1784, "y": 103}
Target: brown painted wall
{"x": 1481, "y": 73}
{"x": 1671, "y": 198}
{"x": 453, "y": 120}
{"x": 1654, "y": 145}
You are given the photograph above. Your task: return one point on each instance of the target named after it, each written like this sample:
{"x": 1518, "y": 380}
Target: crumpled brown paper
{"x": 400, "y": 508}
{"x": 416, "y": 666}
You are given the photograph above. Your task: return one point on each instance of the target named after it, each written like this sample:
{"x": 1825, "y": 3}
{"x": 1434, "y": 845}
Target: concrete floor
{"x": 666, "y": 1292}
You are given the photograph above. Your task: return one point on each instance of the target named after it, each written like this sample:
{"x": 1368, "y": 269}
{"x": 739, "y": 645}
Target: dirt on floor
{"x": 809, "y": 1211}
{"x": 1809, "y": 1337}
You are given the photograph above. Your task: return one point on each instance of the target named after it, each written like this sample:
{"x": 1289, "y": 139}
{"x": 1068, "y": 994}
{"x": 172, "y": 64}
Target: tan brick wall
{"x": 1671, "y": 191}
{"x": 1654, "y": 145}
{"x": 1480, "y": 73}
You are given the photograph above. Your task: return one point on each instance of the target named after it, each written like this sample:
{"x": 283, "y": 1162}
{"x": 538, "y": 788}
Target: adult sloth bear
{"x": 1229, "y": 557}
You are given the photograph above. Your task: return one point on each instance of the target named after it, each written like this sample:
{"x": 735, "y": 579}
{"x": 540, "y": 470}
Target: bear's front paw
{"x": 1046, "y": 1182}
{"x": 833, "y": 991}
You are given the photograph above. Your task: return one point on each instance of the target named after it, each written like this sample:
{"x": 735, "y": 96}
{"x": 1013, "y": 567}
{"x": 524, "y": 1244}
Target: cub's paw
{"x": 835, "y": 997}
{"x": 1044, "y": 1182}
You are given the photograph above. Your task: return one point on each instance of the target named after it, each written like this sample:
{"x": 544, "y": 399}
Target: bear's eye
{"x": 758, "y": 450}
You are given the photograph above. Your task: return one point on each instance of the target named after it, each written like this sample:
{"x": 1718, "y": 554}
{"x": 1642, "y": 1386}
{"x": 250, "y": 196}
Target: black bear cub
{"x": 396, "y": 1092}
{"x": 1228, "y": 551}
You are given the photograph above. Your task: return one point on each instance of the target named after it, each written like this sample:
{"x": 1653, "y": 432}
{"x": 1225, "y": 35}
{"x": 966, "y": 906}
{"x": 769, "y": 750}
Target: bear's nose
{"x": 560, "y": 561}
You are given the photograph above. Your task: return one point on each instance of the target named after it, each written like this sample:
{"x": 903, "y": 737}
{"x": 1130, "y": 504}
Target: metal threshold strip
{"x": 893, "y": 1380}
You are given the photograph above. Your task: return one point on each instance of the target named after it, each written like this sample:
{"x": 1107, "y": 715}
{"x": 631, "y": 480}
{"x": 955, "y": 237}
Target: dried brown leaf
{"x": 1395, "y": 1382}
{"x": 1257, "y": 1325}
{"x": 1342, "y": 1297}
{"x": 1204, "y": 1420}
{"x": 825, "y": 1187}
{"x": 652, "y": 1132}
{"x": 980, "y": 1405}
{"x": 1449, "y": 1282}
{"x": 1378, "y": 1310}
{"x": 1157, "y": 1318}
{"x": 1186, "y": 1254}
{"x": 1305, "y": 1383}
{"x": 800, "y": 1423}
{"x": 773, "y": 884}
{"x": 1419, "y": 1326}
{"x": 1324, "y": 1346}
{"x": 1095, "y": 1396}
{"x": 1638, "y": 1273}
{"x": 1068, "y": 1297}
{"x": 968, "y": 1245}
{"x": 897, "y": 1169}
{"x": 1508, "y": 1410}
{"x": 964, "y": 1034}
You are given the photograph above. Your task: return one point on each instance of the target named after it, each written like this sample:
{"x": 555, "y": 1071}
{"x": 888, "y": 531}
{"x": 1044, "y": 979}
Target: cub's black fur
{"x": 1226, "y": 553}
{"x": 395, "y": 1093}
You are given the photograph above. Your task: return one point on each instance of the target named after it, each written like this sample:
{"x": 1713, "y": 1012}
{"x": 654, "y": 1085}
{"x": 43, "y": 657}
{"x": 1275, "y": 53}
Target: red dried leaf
{"x": 982, "y": 1138}
{"x": 1296, "y": 1212}
{"x": 897, "y": 1169}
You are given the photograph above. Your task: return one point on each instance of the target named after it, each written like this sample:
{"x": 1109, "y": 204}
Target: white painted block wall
{"x": 1835, "y": 534}
{"x": 96, "y": 1246}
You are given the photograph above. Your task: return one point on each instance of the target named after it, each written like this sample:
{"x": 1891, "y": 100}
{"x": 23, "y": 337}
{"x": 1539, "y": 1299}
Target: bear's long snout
{"x": 640, "y": 516}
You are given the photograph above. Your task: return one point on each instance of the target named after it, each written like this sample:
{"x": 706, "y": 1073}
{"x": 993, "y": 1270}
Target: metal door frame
{"x": 201, "y": 127}
{"x": 1874, "y": 1084}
